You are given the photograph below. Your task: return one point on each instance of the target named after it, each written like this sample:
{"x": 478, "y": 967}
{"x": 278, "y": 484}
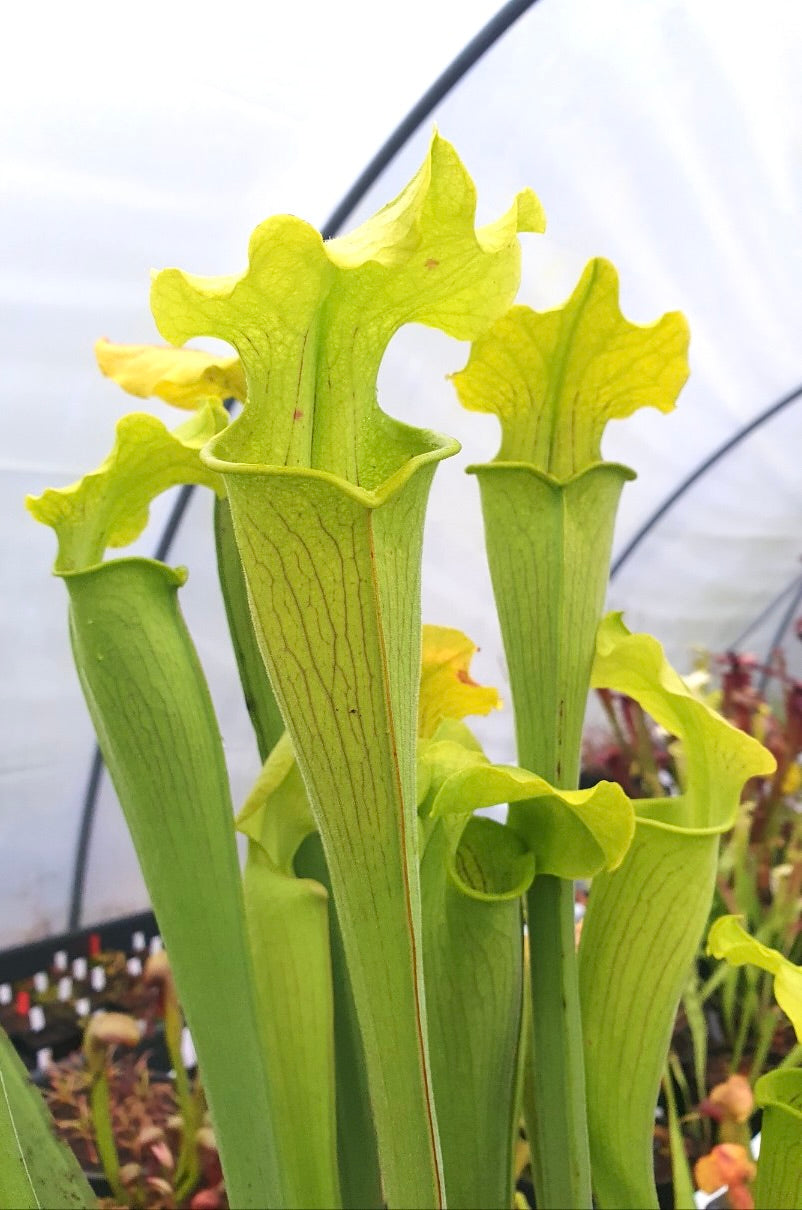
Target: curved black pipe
{"x": 487, "y": 36}
{"x": 91, "y": 795}
{"x": 697, "y": 474}
{"x": 765, "y": 612}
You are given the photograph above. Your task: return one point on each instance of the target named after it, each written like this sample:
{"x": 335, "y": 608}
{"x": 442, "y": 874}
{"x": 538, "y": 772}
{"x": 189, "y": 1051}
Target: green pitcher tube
{"x": 153, "y": 716}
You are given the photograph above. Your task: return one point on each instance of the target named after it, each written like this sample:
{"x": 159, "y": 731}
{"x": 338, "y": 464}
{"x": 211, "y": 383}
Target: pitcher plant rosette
{"x": 369, "y": 1018}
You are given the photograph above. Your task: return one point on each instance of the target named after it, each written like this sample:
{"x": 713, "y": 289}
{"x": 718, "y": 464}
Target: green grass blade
{"x": 793, "y": 1058}
{"x": 692, "y": 1003}
{"x": 680, "y": 1169}
{"x": 37, "y": 1171}
{"x": 767, "y": 1022}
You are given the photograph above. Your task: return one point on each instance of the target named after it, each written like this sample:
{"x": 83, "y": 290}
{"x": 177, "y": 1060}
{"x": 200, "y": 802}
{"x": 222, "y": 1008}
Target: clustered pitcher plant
{"x": 391, "y": 982}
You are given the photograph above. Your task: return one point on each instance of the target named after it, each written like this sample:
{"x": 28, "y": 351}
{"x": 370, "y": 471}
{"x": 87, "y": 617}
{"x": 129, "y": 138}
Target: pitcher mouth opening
{"x": 176, "y": 576}
{"x": 423, "y": 448}
{"x": 626, "y": 472}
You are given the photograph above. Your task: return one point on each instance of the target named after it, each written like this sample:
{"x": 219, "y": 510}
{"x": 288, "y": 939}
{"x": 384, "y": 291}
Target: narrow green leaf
{"x": 105, "y": 1143}
{"x": 694, "y": 1011}
{"x": 680, "y": 1169}
{"x": 779, "y": 1170}
{"x": 731, "y": 996}
{"x": 37, "y": 1171}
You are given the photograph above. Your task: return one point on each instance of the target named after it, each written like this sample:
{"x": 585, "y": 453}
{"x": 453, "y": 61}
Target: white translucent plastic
{"x": 663, "y": 136}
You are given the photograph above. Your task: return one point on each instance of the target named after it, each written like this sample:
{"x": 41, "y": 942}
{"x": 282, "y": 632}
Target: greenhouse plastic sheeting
{"x": 664, "y": 136}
